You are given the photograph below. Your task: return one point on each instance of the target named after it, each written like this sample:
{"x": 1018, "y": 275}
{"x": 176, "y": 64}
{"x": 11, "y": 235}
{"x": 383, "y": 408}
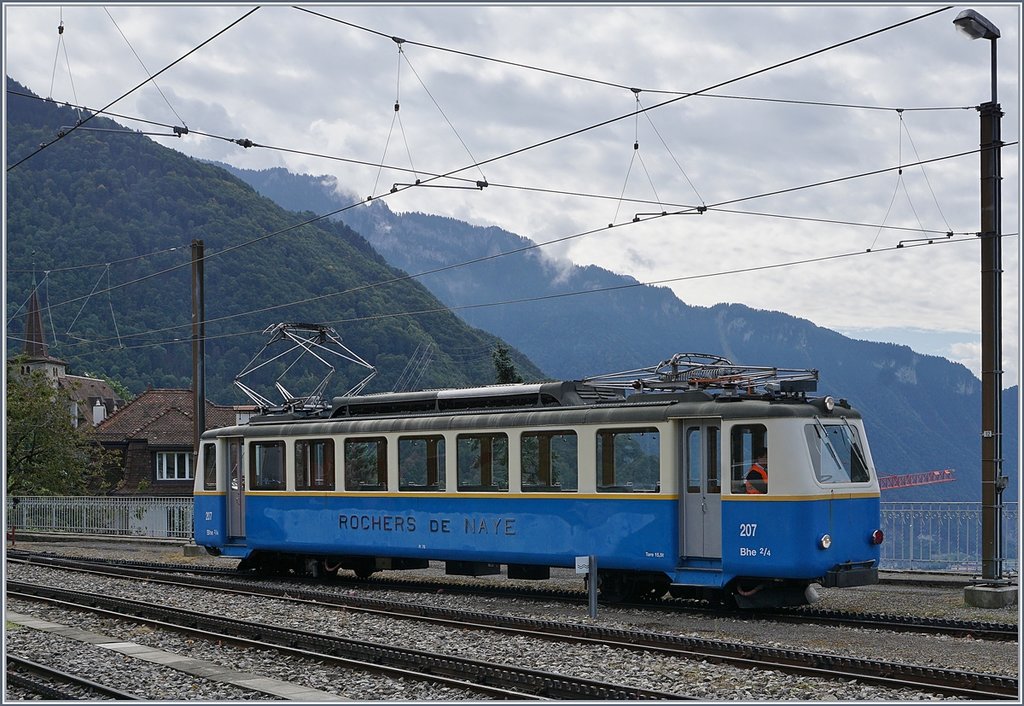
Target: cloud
{"x": 319, "y": 88}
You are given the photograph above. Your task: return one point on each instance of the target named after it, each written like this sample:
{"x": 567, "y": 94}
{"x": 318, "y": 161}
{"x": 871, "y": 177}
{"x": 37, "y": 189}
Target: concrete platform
{"x": 991, "y": 595}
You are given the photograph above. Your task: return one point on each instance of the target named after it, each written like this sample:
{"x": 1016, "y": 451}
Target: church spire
{"x": 35, "y": 335}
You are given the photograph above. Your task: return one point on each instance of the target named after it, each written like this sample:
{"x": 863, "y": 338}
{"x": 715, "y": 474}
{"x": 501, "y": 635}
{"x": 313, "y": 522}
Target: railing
{"x": 942, "y": 536}
{"x": 918, "y": 535}
{"x": 156, "y": 517}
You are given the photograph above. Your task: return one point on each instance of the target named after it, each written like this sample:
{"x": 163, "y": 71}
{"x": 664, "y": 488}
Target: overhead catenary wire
{"x": 496, "y": 158}
{"x": 613, "y": 84}
{"x": 62, "y": 45}
{"x": 688, "y": 95}
{"x": 496, "y": 185}
{"x": 563, "y": 295}
{"x": 493, "y": 256}
{"x": 144, "y": 67}
{"x": 61, "y": 135}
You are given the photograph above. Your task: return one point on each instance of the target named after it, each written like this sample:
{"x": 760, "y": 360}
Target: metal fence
{"x": 111, "y": 516}
{"x": 943, "y": 537}
{"x": 918, "y": 535}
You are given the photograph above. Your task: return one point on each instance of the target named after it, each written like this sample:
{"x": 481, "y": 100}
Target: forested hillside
{"x": 101, "y": 224}
{"x": 922, "y": 411}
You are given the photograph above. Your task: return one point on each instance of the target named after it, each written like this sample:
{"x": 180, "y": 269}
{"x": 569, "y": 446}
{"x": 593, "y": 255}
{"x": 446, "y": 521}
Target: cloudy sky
{"x": 801, "y": 120}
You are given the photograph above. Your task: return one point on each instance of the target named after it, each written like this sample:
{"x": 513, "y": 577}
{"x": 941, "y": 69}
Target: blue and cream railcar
{"x": 654, "y": 485}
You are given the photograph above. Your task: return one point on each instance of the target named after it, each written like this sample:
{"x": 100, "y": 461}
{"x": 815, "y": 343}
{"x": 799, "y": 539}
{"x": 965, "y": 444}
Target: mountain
{"x": 101, "y": 223}
{"x": 922, "y": 411}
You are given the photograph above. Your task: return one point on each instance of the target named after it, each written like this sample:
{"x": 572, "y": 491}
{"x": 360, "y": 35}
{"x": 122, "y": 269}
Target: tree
{"x": 46, "y": 455}
{"x": 504, "y": 369}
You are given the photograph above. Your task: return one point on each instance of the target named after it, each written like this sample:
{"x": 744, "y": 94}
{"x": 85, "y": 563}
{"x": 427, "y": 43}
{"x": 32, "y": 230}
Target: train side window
{"x": 266, "y": 465}
{"x": 749, "y": 462}
{"x": 209, "y": 466}
{"x": 421, "y": 463}
{"x": 549, "y": 461}
{"x": 836, "y": 453}
{"x": 314, "y": 464}
{"x": 366, "y": 464}
{"x": 482, "y": 462}
{"x": 628, "y": 460}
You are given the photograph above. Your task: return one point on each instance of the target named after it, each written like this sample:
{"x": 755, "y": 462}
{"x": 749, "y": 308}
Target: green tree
{"x": 46, "y": 455}
{"x": 504, "y": 369}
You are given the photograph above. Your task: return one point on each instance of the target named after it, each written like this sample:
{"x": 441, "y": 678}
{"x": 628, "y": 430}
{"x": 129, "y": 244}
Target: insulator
{"x": 636, "y": 145}
{"x": 60, "y": 29}
{"x": 179, "y": 131}
{"x": 396, "y": 106}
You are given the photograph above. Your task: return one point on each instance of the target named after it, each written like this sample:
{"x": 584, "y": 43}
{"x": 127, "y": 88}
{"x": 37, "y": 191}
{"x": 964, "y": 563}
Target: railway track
{"x": 57, "y": 685}
{"x": 948, "y": 682}
{"x": 874, "y": 621}
{"x": 491, "y": 680}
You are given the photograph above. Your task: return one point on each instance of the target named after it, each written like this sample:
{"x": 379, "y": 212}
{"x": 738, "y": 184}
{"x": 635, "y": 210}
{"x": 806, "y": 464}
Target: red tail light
{"x": 877, "y": 537}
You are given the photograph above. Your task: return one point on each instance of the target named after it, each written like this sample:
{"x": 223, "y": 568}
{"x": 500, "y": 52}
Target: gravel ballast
{"x": 686, "y": 677}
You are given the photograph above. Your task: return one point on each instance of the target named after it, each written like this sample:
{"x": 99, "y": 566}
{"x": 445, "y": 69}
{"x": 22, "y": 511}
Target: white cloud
{"x": 288, "y": 78}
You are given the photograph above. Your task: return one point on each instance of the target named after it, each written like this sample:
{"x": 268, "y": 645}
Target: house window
{"x": 173, "y": 465}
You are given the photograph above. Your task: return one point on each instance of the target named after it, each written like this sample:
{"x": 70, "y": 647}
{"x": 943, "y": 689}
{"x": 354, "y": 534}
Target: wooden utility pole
{"x": 198, "y": 350}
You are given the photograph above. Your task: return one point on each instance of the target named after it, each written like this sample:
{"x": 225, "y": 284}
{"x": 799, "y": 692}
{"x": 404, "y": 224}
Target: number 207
{"x": 748, "y": 529}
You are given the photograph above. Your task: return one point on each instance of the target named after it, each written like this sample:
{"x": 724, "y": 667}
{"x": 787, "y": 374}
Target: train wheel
{"x": 365, "y": 568}
{"x": 612, "y": 587}
{"x": 650, "y": 589}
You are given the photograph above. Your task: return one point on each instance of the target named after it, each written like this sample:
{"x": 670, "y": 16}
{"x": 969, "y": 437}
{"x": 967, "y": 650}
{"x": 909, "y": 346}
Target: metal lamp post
{"x": 993, "y": 481}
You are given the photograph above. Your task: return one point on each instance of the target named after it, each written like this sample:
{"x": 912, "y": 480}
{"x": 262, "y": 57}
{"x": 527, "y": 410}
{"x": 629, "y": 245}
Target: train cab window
{"x": 628, "y": 460}
{"x": 209, "y": 466}
{"x": 749, "y": 462}
{"x": 482, "y": 462}
{"x": 549, "y": 461}
{"x": 366, "y": 464}
{"x": 266, "y": 465}
{"x": 314, "y": 464}
{"x": 837, "y": 454}
{"x": 421, "y": 463}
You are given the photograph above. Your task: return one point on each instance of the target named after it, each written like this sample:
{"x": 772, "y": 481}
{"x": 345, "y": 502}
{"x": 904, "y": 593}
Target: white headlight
{"x": 825, "y": 542}
{"x": 830, "y": 404}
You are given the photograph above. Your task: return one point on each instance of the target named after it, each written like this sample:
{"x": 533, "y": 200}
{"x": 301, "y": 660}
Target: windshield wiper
{"x": 853, "y": 443}
{"x": 823, "y": 434}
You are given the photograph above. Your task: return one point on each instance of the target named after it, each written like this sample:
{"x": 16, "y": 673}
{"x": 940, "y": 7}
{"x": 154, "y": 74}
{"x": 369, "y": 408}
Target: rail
{"x": 920, "y": 536}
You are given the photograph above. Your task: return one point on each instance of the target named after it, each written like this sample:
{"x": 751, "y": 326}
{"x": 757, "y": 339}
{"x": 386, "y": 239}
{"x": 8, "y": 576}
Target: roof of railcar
{"x": 636, "y": 409}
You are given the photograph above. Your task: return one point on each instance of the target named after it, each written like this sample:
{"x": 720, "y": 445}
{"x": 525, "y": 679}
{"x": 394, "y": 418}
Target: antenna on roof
{"x": 316, "y": 340}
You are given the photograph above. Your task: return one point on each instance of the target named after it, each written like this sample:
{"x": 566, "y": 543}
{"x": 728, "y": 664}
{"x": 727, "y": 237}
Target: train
{"x": 646, "y": 473}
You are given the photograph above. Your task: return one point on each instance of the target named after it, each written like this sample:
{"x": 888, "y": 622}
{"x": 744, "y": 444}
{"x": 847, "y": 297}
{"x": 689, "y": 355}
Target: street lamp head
{"x": 976, "y": 26}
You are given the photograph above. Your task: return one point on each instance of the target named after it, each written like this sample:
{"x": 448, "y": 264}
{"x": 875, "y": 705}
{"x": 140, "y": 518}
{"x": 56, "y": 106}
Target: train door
{"x": 700, "y": 489}
{"x": 236, "y": 488}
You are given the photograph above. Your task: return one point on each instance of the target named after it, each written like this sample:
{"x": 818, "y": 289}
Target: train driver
{"x": 757, "y": 477}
